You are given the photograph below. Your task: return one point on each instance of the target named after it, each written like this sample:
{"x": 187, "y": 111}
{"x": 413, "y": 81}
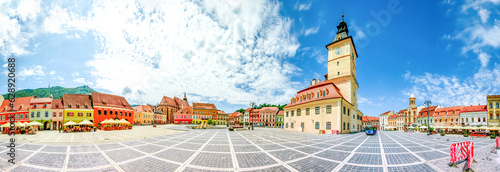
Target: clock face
{"x": 338, "y": 51}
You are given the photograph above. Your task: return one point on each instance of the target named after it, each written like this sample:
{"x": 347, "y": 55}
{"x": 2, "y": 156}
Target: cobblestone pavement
{"x": 261, "y": 149}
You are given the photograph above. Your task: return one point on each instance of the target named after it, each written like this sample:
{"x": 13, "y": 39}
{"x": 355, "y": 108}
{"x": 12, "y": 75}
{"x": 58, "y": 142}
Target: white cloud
{"x": 484, "y": 14}
{"x": 312, "y": 30}
{"x": 484, "y": 58}
{"x": 303, "y": 7}
{"x": 449, "y": 90}
{"x": 52, "y": 72}
{"x": 230, "y": 52}
{"x": 36, "y": 70}
{"x": 448, "y": 2}
{"x": 74, "y": 75}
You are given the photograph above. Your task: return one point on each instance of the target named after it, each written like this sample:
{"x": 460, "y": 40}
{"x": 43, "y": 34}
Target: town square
{"x": 250, "y": 85}
{"x": 262, "y": 149}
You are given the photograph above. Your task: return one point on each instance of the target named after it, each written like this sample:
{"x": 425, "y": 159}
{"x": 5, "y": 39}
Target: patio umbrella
{"x": 484, "y": 127}
{"x": 6, "y": 125}
{"x": 35, "y": 123}
{"x": 104, "y": 122}
{"x": 494, "y": 128}
{"x": 123, "y": 121}
{"x": 19, "y": 124}
{"x": 424, "y": 127}
{"x": 69, "y": 123}
{"x": 85, "y": 122}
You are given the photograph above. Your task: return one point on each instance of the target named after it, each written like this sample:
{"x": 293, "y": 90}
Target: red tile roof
{"x": 442, "y": 111}
{"x": 281, "y": 112}
{"x": 221, "y": 112}
{"x": 77, "y": 101}
{"x": 57, "y": 104}
{"x": 40, "y": 103}
{"x": 370, "y": 118}
{"x": 181, "y": 103}
{"x": 269, "y": 109}
{"x": 478, "y": 108}
{"x": 143, "y": 108}
{"x": 185, "y": 110}
{"x": 20, "y": 104}
{"x": 249, "y": 110}
{"x": 332, "y": 92}
{"x": 385, "y": 113}
{"x": 109, "y": 100}
{"x": 393, "y": 117}
{"x": 423, "y": 111}
{"x": 167, "y": 101}
{"x": 204, "y": 106}
{"x": 402, "y": 111}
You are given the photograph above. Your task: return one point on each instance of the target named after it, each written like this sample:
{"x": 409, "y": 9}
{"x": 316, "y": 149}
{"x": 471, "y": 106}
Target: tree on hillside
{"x": 253, "y": 105}
{"x": 240, "y": 110}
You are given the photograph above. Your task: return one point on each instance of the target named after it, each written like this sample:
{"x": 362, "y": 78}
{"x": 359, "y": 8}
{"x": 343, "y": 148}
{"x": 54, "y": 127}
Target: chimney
{"x": 313, "y": 82}
{"x": 60, "y": 97}
{"x": 319, "y": 80}
{"x": 35, "y": 96}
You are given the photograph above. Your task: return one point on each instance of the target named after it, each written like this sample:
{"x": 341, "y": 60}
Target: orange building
{"x": 20, "y": 110}
{"x": 108, "y": 106}
{"x": 143, "y": 114}
{"x": 448, "y": 116}
{"x": 370, "y": 120}
{"x": 184, "y": 115}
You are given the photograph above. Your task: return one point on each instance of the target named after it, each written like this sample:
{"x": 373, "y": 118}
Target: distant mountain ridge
{"x": 56, "y": 91}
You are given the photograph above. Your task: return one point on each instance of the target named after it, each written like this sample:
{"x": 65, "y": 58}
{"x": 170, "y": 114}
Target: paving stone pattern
{"x": 262, "y": 149}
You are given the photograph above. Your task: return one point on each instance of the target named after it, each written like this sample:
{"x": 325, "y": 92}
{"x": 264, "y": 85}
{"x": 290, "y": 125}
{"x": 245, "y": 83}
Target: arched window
{"x": 456, "y": 119}
{"x": 116, "y": 112}
{"x": 302, "y": 125}
{"x": 446, "y": 120}
{"x": 291, "y": 125}
{"x": 478, "y": 119}
{"x": 298, "y": 112}
{"x": 121, "y": 113}
{"x": 466, "y": 119}
{"x": 316, "y": 125}
{"x": 484, "y": 119}
{"x": 324, "y": 93}
{"x": 328, "y": 125}
{"x": 451, "y": 119}
{"x": 439, "y": 120}
{"x": 317, "y": 95}
{"x": 99, "y": 112}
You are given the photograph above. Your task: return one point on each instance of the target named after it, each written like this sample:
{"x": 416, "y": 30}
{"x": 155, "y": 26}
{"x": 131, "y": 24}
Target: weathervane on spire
{"x": 342, "y": 15}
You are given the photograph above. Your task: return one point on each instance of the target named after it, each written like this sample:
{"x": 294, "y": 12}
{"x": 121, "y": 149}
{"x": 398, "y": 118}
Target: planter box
{"x": 130, "y": 127}
{"x": 231, "y": 129}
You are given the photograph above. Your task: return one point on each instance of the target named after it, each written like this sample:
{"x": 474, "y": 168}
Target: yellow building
{"x": 331, "y": 104}
{"x": 222, "y": 118}
{"x": 493, "y": 110}
{"x": 77, "y": 107}
{"x": 143, "y": 114}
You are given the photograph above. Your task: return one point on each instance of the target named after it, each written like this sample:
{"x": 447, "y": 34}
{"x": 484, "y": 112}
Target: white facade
{"x": 474, "y": 118}
{"x": 400, "y": 123}
{"x": 383, "y": 122}
{"x": 245, "y": 116}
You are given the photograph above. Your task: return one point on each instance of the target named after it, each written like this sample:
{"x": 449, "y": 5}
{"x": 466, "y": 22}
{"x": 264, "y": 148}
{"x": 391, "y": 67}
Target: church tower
{"x": 342, "y": 63}
{"x": 412, "y": 101}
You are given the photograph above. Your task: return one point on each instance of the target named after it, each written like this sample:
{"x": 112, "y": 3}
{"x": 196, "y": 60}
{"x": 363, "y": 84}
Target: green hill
{"x": 56, "y": 91}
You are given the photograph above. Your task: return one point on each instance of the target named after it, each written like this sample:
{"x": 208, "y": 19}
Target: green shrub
{"x": 431, "y": 129}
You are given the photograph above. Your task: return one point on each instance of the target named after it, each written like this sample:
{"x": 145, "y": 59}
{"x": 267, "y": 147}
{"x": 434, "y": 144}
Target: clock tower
{"x": 342, "y": 63}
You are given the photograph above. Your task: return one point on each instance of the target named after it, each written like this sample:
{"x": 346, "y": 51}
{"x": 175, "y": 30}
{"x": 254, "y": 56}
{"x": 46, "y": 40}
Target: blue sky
{"x": 232, "y": 53}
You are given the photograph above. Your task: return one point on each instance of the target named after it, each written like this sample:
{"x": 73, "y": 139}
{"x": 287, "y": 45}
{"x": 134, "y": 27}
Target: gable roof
{"x": 109, "y": 100}
{"x": 249, "y": 110}
{"x": 57, "y": 104}
{"x": 385, "y": 113}
{"x": 423, "y": 111}
{"x": 77, "y": 101}
{"x": 47, "y": 101}
{"x": 167, "y": 101}
{"x": 181, "y": 103}
{"x": 281, "y": 112}
{"x": 208, "y": 106}
{"x": 478, "y": 108}
{"x": 332, "y": 92}
{"x": 442, "y": 111}
{"x": 269, "y": 109}
{"x": 20, "y": 104}
{"x": 221, "y": 112}
{"x": 185, "y": 110}
{"x": 143, "y": 108}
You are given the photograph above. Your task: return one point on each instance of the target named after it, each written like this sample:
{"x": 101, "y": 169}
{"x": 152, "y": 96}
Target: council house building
{"x": 330, "y": 104}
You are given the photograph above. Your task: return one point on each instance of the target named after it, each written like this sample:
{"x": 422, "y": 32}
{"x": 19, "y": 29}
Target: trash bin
{"x": 252, "y": 127}
{"x": 248, "y": 128}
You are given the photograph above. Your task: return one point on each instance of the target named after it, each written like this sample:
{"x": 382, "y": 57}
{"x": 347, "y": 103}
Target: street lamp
{"x": 428, "y": 103}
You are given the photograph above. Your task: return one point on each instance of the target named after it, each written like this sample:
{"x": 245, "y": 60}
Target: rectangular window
{"x": 344, "y": 110}
{"x": 89, "y": 114}
{"x": 292, "y": 113}
{"x": 328, "y": 109}
{"x": 60, "y": 114}
{"x": 71, "y": 114}
{"x": 298, "y": 112}
{"x": 316, "y": 109}
{"x": 46, "y": 114}
{"x": 54, "y": 114}
{"x": 498, "y": 105}
{"x": 80, "y": 114}
{"x": 348, "y": 112}
{"x": 491, "y": 105}
{"x": 26, "y": 115}
{"x": 307, "y": 111}
{"x": 37, "y": 114}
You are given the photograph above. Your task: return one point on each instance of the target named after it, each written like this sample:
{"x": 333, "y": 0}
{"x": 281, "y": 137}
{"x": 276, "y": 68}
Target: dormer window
{"x": 77, "y": 106}
{"x": 44, "y": 105}
{"x": 69, "y": 105}
{"x": 34, "y": 105}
